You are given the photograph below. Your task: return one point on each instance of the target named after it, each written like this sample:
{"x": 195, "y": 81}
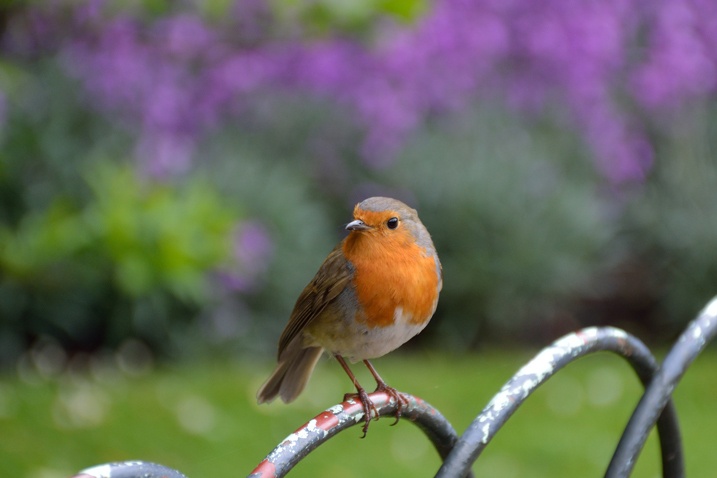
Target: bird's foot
{"x": 369, "y": 409}
{"x": 401, "y": 400}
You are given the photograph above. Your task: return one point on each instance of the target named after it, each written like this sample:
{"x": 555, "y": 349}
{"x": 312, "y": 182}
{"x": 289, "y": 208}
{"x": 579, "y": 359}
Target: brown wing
{"x": 332, "y": 278}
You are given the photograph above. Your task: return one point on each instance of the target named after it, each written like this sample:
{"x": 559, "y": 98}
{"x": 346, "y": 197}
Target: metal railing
{"x": 460, "y": 452}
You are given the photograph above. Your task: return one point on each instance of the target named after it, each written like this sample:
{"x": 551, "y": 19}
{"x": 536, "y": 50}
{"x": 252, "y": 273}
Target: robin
{"x": 376, "y": 290}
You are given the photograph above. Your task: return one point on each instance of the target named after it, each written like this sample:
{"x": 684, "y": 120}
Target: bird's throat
{"x": 392, "y": 273}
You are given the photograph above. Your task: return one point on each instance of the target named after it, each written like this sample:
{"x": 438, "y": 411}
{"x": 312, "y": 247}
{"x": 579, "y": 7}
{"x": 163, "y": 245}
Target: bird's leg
{"x": 368, "y": 405}
{"x": 381, "y": 386}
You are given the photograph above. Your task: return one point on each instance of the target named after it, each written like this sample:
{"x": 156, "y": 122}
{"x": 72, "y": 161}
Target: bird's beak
{"x": 357, "y": 225}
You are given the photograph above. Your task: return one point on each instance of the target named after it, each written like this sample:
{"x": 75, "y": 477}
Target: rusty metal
{"x": 551, "y": 359}
{"x": 347, "y": 414}
{"x": 693, "y": 340}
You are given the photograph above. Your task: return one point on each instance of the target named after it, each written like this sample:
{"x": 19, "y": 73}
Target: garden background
{"x": 173, "y": 173}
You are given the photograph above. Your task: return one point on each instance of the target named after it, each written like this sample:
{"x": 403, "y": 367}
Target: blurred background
{"x": 172, "y": 173}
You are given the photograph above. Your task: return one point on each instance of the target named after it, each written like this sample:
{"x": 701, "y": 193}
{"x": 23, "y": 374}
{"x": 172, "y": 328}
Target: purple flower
{"x": 603, "y": 64}
{"x": 184, "y": 37}
{"x": 681, "y": 63}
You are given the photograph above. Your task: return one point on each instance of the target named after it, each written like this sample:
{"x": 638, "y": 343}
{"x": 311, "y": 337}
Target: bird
{"x": 376, "y": 290}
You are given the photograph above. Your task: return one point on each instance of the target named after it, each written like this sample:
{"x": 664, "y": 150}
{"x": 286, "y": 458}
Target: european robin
{"x": 376, "y": 290}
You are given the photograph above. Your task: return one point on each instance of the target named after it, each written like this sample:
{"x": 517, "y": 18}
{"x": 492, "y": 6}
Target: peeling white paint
{"x": 499, "y": 402}
{"x": 542, "y": 365}
{"x": 535, "y": 372}
{"x": 711, "y": 308}
{"x": 619, "y": 332}
{"x": 311, "y": 426}
{"x": 99, "y": 471}
{"x": 576, "y": 339}
{"x": 486, "y": 433}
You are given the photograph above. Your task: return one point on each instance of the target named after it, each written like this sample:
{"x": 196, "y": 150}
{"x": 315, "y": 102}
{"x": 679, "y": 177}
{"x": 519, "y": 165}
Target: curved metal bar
{"x": 129, "y": 469}
{"x": 541, "y": 368}
{"x": 344, "y": 415}
{"x": 692, "y": 341}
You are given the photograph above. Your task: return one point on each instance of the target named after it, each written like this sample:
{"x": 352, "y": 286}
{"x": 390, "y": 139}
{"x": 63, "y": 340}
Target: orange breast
{"x": 392, "y": 271}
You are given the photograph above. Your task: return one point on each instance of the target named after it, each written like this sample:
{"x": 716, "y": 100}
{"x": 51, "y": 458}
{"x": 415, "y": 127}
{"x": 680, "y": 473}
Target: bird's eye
{"x": 392, "y": 223}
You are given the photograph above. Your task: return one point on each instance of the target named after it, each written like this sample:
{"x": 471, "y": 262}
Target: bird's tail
{"x": 291, "y": 374}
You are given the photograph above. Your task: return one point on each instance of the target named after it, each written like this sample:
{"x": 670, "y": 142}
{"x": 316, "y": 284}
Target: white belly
{"x": 359, "y": 342}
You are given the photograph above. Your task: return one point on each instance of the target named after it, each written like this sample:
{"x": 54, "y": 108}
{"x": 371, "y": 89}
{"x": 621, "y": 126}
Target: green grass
{"x": 202, "y": 418}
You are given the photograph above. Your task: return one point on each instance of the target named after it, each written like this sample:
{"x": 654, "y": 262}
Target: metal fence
{"x": 460, "y": 452}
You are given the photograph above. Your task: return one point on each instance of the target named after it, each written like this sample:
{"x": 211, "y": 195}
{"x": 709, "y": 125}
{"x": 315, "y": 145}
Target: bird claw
{"x": 369, "y": 409}
{"x": 401, "y": 400}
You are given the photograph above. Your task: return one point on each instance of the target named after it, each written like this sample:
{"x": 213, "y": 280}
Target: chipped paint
{"x": 327, "y": 420}
{"x": 265, "y": 469}
{"x": 347, "y": 414}
{"x": 99, "y": 471}
{"x": 486, "y": 433}
{"x": 533, "y": 374}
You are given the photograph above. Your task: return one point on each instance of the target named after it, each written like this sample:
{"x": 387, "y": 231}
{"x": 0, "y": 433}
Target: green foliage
{"x": 42, "y": 240}
{"x": 91, "y": 251}
{"x": 348, "y": 15}
{"x": 319, "y": 16}
{"x": 159, "y": 236}
{"x": 131, "y": 242}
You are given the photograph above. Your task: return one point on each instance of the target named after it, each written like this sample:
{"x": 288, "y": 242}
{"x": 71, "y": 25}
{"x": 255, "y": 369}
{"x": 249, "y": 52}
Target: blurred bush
{"x": 91, "y": 253}
{"x": 517, "y": 216}
{"x": 130, "y": 262}
{"x": 673, "y": 220}
{"x": 175, "y": 173}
